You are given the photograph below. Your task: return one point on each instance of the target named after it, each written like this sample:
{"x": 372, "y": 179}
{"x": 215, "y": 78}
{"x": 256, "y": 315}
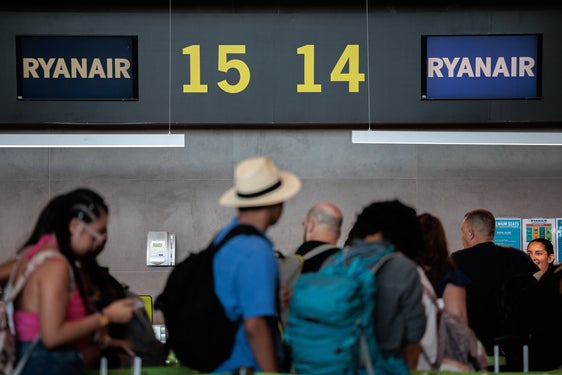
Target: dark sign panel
{"x": 77, "y": 67}
{"x": 481, "y": 66}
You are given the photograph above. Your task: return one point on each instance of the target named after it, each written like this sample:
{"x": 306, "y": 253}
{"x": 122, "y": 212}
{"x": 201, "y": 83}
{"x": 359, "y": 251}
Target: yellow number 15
{"x": 224, "y": 65}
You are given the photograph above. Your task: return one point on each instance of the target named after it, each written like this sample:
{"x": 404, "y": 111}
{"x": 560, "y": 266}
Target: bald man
{"x": 322, "y": 228}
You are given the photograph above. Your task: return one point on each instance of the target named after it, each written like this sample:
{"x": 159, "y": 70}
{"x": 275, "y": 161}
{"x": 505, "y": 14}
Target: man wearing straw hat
{"x": 245, "y": 269}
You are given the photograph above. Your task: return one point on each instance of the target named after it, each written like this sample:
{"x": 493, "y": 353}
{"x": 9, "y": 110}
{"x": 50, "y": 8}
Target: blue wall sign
{"x": 508, "y": 232}
{"x": 77, "y": 67}
{"x": 481, "y": 66}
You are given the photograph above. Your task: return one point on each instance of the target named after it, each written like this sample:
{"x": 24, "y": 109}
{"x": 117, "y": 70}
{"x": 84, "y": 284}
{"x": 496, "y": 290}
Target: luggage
{"x": 330, "y": 327}
{"x": 199, "y": 332}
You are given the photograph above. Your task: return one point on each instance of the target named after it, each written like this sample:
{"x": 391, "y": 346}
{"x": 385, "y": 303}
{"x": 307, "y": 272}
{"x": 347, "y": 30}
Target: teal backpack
{"x": 330, "y": 324}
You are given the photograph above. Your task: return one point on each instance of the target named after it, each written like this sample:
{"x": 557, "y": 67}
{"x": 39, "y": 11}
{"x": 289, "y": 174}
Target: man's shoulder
{"x": 520, "y": 260}
{"x": 481, "y": 247}
{"x": 471, "y": 257}
{"x": 462, "y": 253}
{"x": 246, "y": 232}
{"x": 308, "y": 246}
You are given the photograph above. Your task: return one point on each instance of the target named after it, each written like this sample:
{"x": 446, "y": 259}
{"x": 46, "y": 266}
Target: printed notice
{"x": 539, "y": 228}
{"x": 508, "y": 232}
{"x": 558, "y": 246}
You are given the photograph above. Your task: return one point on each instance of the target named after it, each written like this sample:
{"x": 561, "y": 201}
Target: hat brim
{"x": 290, "y": 186}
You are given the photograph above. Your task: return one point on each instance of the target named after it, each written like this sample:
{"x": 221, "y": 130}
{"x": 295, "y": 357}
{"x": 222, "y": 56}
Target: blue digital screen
{"x": 77, "y": 67}
{"x": 481, "y": 66}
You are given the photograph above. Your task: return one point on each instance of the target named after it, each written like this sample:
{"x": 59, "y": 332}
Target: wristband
{"x": 104, "y": 320}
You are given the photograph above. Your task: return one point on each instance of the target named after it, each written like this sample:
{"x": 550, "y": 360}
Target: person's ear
{"x": 76, "y": 226}
{"x": 310, "y": 226}
{"x": 550, "y": 258}
{"x": 471, "y": 234}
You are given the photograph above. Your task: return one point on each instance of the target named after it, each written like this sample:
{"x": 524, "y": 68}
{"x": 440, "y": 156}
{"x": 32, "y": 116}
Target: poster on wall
{"x": 539, "y": 228}
{"x": 558, "y": 240}
{"x": 508, "y": 232}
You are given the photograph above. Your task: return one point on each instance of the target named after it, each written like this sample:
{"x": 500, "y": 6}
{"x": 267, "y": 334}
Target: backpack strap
{"x": 14, "y": 288}
{"x": 318, "y": 250}
{"x": 32, "y": 265}
{"x": 235, "y": 231}
{"x": 378, "y": 265}
{"x": 366, "y": 359}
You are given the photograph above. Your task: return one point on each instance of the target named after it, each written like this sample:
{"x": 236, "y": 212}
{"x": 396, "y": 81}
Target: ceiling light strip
{"x": 91, "y": 140}
{"x": 457, "y": 138}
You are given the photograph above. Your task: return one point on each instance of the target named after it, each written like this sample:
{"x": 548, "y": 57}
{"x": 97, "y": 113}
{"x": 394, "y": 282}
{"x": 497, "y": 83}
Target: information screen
{"x": 77, "y": 67}
{"x": 481, "y": 66}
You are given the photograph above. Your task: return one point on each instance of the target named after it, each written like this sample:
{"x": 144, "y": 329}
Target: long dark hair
{"x": 435, "y": 261}
{"x": 81, "y": 203}
{"x": 46, "y": 220}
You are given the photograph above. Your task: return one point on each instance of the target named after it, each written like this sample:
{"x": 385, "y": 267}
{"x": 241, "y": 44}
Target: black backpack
{"x": 199, "y": 332}
{"x": 516, "y": 305}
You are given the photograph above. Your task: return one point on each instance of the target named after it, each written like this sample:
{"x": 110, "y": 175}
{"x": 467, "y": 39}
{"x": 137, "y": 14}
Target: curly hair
{"x": 397, "y": 223}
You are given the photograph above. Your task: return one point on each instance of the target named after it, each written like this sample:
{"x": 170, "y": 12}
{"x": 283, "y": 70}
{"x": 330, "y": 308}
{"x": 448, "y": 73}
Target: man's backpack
{"x": 200, "y": 333}
{"x": 330, "y": 326}
{"x": 290, "y": 266}
{"x": 7, "y": 327}
{"x": 517, "y": 303}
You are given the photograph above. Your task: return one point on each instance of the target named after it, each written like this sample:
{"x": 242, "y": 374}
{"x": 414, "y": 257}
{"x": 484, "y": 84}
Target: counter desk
{"x": 173, "y": 370}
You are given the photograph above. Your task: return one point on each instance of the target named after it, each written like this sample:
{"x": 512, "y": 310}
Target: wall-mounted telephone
{"x": 161, "y": 249}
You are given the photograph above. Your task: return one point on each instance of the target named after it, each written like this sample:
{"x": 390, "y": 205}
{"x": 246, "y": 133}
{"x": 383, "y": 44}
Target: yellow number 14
{"x": 349, "y": 57}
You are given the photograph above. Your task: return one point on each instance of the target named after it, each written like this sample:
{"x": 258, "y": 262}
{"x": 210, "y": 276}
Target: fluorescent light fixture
{"x": 91, "y": 140}
{"x": 457, "y": 138}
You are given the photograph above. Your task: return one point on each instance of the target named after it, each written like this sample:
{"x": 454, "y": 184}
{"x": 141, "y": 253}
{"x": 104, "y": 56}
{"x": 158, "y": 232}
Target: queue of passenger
{"x": 67, "y": 336}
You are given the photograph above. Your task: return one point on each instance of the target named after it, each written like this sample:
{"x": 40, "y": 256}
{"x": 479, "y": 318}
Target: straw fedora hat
{"x": 258, "y": 182}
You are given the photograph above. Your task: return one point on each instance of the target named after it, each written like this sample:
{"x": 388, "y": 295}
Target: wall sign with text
{"x": 77, "y": 67}
{"x": 321, "y": 66}
{"x": 481, "y": 66}
{"x": 508, "y": 232}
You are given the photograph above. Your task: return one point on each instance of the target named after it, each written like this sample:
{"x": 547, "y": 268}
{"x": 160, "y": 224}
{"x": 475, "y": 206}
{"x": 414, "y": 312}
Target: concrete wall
{"x": 177, "y": 189}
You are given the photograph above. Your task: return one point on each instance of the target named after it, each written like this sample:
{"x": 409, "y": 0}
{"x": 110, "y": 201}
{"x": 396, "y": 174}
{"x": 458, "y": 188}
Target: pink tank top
{"x": 27, "y": 323}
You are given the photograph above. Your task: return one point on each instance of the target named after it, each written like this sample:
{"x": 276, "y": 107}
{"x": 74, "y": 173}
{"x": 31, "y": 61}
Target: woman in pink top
{"x": 54, "y": 301}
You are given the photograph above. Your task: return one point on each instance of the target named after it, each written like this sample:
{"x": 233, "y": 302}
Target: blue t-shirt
{"x": 247, "y": 284}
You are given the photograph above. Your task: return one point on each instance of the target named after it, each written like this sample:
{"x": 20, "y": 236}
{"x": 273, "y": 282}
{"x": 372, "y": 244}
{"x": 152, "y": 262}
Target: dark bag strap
{"x": 238, "y": 229}
{"x": 319, "y": 250}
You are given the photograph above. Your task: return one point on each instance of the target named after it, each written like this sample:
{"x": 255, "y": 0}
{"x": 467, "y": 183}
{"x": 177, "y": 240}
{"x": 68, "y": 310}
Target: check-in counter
{"x": 173, "y": 370}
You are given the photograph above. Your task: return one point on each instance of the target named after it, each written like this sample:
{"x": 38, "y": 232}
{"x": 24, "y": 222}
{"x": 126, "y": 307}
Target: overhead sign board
{"x": 77, "y": 67}
{"x": 481, "y": 66}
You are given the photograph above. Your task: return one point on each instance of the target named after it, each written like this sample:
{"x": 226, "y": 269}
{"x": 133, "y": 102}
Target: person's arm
{"x": 411, "y": 355}
{"x": 5, "y": 270}
{"x": 454, "y": 298}
{"x": 52, "y": 280}
{"x": 285, "y": 294}
{"x": 413, "y": 311}
{"x": 261, "y": 342}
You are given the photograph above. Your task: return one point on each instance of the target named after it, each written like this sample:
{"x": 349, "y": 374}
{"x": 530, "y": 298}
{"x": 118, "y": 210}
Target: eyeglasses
{"x": 97, "y": 236}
